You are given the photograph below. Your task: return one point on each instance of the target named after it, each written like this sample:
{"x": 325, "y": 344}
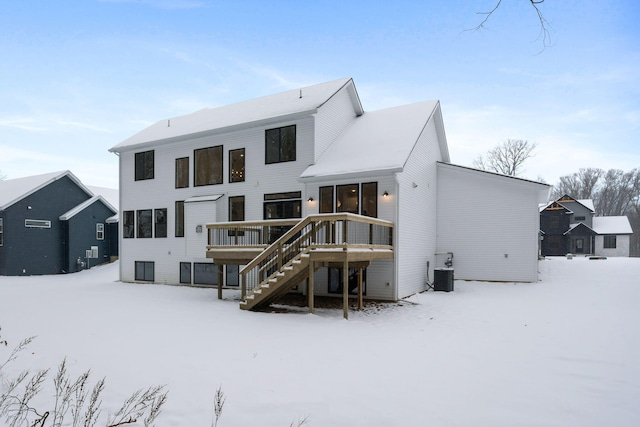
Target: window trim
{"x": 146, "y": 264}
{"x": 140, "y": 160}
{"x": 180, "y": 177}
{"x": 610, "y": 241}
{"x": 216, "y": 177}
{"x": 163, "y": 225}
{"x": 99, "y": 231}
{"x": 239, "y": 176}
{"x": 141, "y": 224}
{"x": 37, "y": 223}
{"x": 267, "y": 159}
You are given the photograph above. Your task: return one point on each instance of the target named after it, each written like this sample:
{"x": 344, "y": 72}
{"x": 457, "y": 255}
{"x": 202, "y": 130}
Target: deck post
{"x": 360, "y": 302}
{"x": 220, "y": 278}
{"x": 345, "y": 288}
{"x": 310, "y": 286}
{"x": 243, "y": 285}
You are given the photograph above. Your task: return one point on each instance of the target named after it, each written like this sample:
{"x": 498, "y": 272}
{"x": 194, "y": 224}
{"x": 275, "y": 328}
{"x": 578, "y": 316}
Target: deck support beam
{"x": 310, "y": 285}
{"x": 345, "y": 287}
{"x": 360, "y": 298}
{"x": 220, "y": 278}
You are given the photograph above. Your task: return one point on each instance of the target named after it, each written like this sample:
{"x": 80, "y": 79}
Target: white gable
{"x": 212, "y": 120}
{"x": 377, "y": 141}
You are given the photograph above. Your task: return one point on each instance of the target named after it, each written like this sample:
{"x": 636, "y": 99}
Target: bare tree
{"x": 545, "y": 27}
{"x": 580, "y": 185}
{"x": 506, "y": 158}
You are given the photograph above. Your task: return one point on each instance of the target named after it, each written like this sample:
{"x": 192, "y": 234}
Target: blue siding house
{"x": 52, "y": 224}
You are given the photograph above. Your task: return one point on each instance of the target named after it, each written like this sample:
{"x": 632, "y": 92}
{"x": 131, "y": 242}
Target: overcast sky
{"x": 79, "y": 76}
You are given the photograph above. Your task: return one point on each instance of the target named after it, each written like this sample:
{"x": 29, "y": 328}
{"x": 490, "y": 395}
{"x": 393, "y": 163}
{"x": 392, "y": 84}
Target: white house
{"x": 207, "y": 197}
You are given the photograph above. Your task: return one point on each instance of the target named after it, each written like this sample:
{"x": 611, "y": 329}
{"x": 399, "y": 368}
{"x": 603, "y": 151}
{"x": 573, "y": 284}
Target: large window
{"x": 144, "y": 165}
{"x": 144, "y": 271}
{"x": 369, "y": 204}
{"x": 128, "y": 225}
{"x": 347, "y": 198}
{"x": 144, "y": 223}
{"x": 236, "y": 208}
{"x": 1, "y": 232}
{"x": 326, "y": 199}
{"x": 180, "y": 219}
{"x": 182, "y": 172}
{"x": 205, "y": 273}
{"x": 280, "y": 144}
{"x": 236, "y": 165}
{"x": 609, "y": 242}
{"x": 207, "y": 166}
{"x": 283, "y": 205}
{"x": 160, "y": 220}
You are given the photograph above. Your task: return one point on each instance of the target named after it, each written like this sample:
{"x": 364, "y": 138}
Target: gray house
{"x": 52, "y": 223}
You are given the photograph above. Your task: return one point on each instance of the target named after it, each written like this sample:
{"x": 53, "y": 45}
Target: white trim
{"x": 37, "y": 223}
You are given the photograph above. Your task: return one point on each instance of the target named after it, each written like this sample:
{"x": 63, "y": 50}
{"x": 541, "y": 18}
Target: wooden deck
{"x": 278, "y": 255}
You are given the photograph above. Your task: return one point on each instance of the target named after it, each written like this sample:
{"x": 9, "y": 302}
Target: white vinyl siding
{"x": 260, "y": 179}
{"x": 334, "y": 116}
{"x": 490, "y": 223}
{"x": 416, "y": 228}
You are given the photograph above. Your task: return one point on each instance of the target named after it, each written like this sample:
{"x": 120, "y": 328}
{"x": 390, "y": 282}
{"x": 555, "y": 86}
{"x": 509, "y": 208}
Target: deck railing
{"x": 284, "y": 240}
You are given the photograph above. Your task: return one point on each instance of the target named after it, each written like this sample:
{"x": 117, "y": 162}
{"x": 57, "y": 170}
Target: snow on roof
{"x": 14, "y": 190}
{"x": 612, "y": 225}
{"x": 68, "y": 215}
{"x": 379, "y": 141}
{"x": 587, "y": 203}
{"x": 576, "y": 225}
{"x": 209, "y": 120}
{"x": 111, "y": 195}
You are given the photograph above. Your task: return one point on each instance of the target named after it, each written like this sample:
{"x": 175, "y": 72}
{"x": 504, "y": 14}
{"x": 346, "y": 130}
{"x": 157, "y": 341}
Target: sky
{"x": 80, "y": 76}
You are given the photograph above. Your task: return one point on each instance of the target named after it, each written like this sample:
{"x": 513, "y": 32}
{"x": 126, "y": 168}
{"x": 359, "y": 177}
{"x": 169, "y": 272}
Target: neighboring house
{"x": 52, "y": 223}
{"x": 569, "y": 225}
{"x": 306, "y": 188}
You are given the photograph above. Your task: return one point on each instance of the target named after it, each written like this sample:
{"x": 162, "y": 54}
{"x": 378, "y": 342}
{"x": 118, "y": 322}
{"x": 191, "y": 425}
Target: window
{"x": 207, "y": 166}
{"x": 37, "y": 223}
{"x": 160, "y": 219}
{"x": 185, "y": 272}
{"x": 144, "y": 165}
{"x": 335, "y": 281}
{"x": 580, "y": 218}
{"x": 236, "y": 208}
{"x": 326, "y": 199}
{"x": 205, "y": 273}
{"x": 128, "y": 224}
{"x": 144, "y": 271}
{"x": 144, "y": 223}
{"x": 99, "y": 231}
{"x": 236, "y": 165}
{"x": 182, "y": 172}
{"x": 609, "y": 242}
{"x": 370, "y": 199}
{"x": 1, "y": 232}
{"x": 347, "y": 198}
{"x": 180, "y": 219}
{"x": 280, "y": 144}
{"x": 233, "y": 275}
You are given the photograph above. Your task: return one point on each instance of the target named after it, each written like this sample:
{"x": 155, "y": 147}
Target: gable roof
{"x": 579, "y": 225}
{"x": 14, "y": 190}
{"x": 587, "y": 203}
{"x": 377, "y": 141}
{"x": 82, "y": 206}
{"x": 612, "y": 225}
{"x": 267, "y": 108}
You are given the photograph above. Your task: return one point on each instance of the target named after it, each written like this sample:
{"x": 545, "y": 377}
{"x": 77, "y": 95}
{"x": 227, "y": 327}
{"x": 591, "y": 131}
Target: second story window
{"x": 280, "y": 144}
{"x": 144, "y": 223}
{"x": 160, "y": 222}
{"x": 144, "y": 165}
{"x": 182, "y": 172}
{"x": 207, "y": 165}
{"x": 128, "y": 224}
{"x": 236, "y": 165}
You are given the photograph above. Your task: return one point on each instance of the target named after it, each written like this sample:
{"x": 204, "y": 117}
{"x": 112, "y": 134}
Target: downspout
{"x": 396, "y": 233}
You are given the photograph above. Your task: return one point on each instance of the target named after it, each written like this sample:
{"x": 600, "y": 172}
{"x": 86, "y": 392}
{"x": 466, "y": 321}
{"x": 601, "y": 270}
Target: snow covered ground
{"x": 561, "y": 352}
